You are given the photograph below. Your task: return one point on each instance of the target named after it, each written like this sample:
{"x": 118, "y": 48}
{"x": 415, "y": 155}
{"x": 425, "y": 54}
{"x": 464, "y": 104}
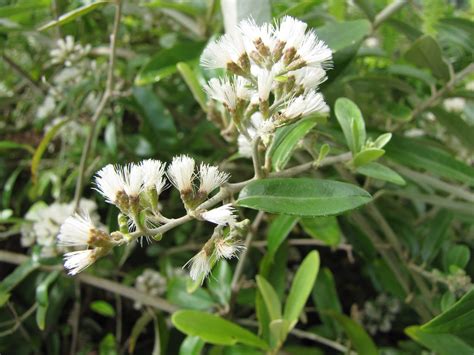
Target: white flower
{"x": 314, "y": 52}
{"x": 133, "y": 179}
{"x": 76, "y": 230}
{"x": 264, "y": 83}
{"x": 109, "y": 182}
{"x": 304, "y": 105}
{"x": 454, "y": 104}
{"x": 221, "y": 215}
{"x": 228, "y": 92}
{"x": 245, "y": 146}
{"x": 153, "y": 172}
{"x": 199, "y": 266}
{"x": 225, "y": 50}
{"x": 257, "y": 127}
{"x": 67, "y": 51}
{"x": 211, "y": 178}
{"x": 181, "y": 172}
{"x": 308, "y": 77}
{"x": 77, "y": 261}
{"x": 290, "y": 31}
{"x": 253, "y": 35}
{"x": 227, "y": 249}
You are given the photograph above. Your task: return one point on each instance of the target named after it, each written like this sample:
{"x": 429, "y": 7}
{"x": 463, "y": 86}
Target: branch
{"x": 388, "y": 11}
{"x": 102, "y": 104}
{"x": 19, "y": 70}
{"x": 439, "y": 94}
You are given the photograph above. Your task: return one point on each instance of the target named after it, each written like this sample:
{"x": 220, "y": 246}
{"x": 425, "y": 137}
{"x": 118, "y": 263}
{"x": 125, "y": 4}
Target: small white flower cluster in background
{"x": 43, "y": 223}
{"x": 150, "y": 282}
{"x": 274, "y": 72}
{"x": 379, "y": 314}
{"x": 67, "y": 51}
{"x": 135, "y": 189}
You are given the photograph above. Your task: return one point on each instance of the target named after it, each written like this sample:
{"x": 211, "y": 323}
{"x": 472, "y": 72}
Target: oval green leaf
{"x": 352, "y": 123}
{"x": 381, "y": 172}
{"x": 214, "y": 329}
{"x": 302, "y": 197}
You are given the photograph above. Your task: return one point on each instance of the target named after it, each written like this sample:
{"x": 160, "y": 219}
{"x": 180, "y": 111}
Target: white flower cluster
{"x": 150, "y": 282}
{"x": 43, "y": 223}
{"x": 135, "y": 189}
{"x": 275, "y": 71}
{"x": 67, "y": 51}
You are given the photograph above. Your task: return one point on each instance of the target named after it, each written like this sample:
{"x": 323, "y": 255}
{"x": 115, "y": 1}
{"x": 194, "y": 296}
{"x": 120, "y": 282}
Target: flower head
{"x": 76, "y": 230}
{"x": 227, "y": 248}
{"x": 109, "y": 182}
{"x": 258, "y": 40}
{"x": 290, "y": 32}
{"x": 77, "y": 261}
{"x": 133, "y": 179}
{"x": 222, "y": 215}
{"x": 314, "y": 52}
{"x": 309, "y": 78}
{"x": 181, "y": 173}
{"x": 228, "y": 92}
{"x": 225, "y": 52}
{"x": 310, "y": 102}
{"x": 200, "y": 266}
{"x": 153, "y": 172}
{"x": 265, "y": 80}
{"x": 211, "y": 178}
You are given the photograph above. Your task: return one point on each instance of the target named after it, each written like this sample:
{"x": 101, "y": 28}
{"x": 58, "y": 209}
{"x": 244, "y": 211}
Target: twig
{"x": 19, "y": 70}
{"x": 257, "y": 165}
{"x": 305, "y": 335}
{"x": 432, "y": 100}
{"x": 102, "y": 104}
{"x": 76, "y": 315}
{"x": 18, "y": 320}
{"x": 388, "y": 11}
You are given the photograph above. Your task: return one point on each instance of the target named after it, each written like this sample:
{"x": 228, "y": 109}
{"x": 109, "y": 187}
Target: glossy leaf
{"x": 72, "y": 15}
{"x": 302, "y": 197}
{"x": 163, "y": 64}
{"x": 284, "y": 150}
{"x": 442, "y": 344}
{"x": 272, "y": 302}
{"x": 191, "y": 345}
{"x": 279, "y": 230}
{"x": 381, "y": 172}
{"x": 339, "y": 35}
{"x": 301, "y": 287}
{"x": 361, "y": 341}
{"x": 325, "y": 229}
{"x": 457, "y": 256}
{"x": 103, "y": 308}
{"x": 426, "y": 53}
{"x": 352, "y": 123}
{"x": 192, "y": 81}
{"x": 367, "y": 156}
{"x": 43, "y": 299}
{"x": 214, "y": 329}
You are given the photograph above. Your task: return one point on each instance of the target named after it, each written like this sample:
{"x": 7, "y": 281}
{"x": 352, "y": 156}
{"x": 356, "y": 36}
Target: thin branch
{"x": 102, "y": 104}
{"x": 36, "y": 85}
{"x": 388, "y": 11}
{"x": 433, "y": 99}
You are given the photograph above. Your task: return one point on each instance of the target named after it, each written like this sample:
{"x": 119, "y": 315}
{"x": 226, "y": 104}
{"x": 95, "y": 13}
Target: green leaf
{"x": 138, "y": 328}
{"x": 191, "y": 345}
{"x": 219, "y": 283}
{"x": 382, "y": 140}
{"x": 418, "y": 154}
{"x": 284, "y": 150}
{"x": 458, "y": 320}
{"x": 442, "y": 344}
{"x": 302, "y": 197}
{"x": 163, "y": 64}
{"x": 107, "y": 345}
{"x": 178, "y": 295}
{"x": 214, "y": 329}
{"x": 366, "y": 156}
{"x": 278, "y": 231}
{"x": 426, "y": 53}
{"x": 43, "y": 299}
{"x": 458, "y": 256}
{"x": 325, "y": 297}
{"x": 7, "y": 145}
{"x": 339, "y": 35}
{"x": 352, "y": 123}
{"x": 301, "y": 287}
{"x": 272, "y": 302}
{"x": 437, "y": 234}
{"x": 456, "y": 126}
{"x": 190, "y": 8}
{"x": 412, "y": 72}
{"x": 278, "y": 331}
{"x": 18, "y": 275}
{"x": 361, "y": 341}
{"x": 35, "y": 161}
{"x": 325, "y": 229}
{"x": 103, "y": 308}
{"x": 192, "y": 81}
{"x": 381, "y": 172}
{"x": 70, "y": 16}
